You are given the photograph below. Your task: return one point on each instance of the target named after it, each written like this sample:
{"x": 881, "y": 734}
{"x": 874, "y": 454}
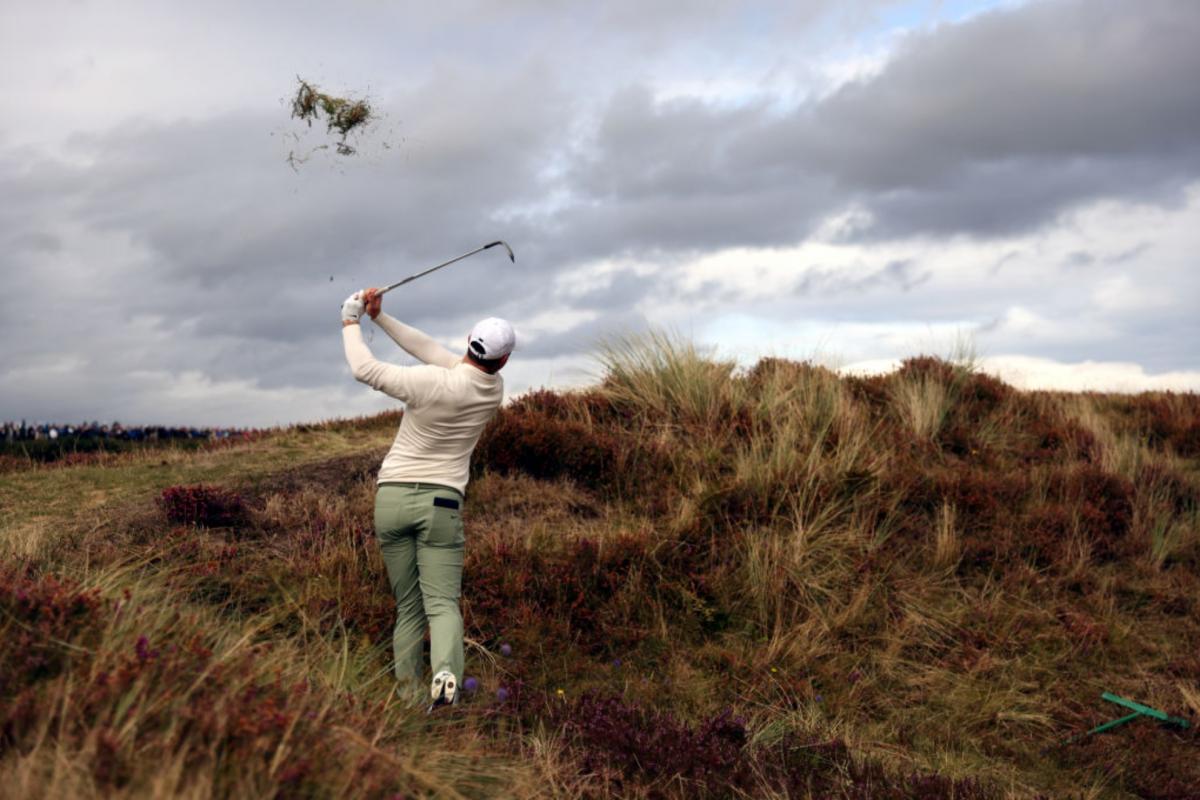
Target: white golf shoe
{"x": 444, "y": 690}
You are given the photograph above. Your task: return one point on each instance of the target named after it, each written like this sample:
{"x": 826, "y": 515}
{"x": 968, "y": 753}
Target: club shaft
{"x": 422, "y": 274}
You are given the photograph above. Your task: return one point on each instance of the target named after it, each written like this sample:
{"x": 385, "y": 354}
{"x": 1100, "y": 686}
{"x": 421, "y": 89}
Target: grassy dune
{"x": 688, "y": 581}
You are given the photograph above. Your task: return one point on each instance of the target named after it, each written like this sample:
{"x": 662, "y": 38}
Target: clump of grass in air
{"x": 342, "y": 114}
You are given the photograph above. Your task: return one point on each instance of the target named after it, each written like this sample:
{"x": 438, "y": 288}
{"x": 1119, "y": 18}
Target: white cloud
{"x": 1019, "y": 323}
{"x": 1028, "y": 372}
{"x": 1125, "y": 302}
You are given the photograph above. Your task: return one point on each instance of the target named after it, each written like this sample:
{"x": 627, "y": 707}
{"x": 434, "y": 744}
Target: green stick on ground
{"x": 1139, "y": 710}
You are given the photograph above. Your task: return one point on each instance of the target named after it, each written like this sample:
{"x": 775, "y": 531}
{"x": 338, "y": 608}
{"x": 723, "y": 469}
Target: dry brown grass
{"x": 922, "y": 573}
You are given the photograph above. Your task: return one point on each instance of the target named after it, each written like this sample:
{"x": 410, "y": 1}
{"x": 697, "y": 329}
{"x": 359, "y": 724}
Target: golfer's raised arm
{"x": 413, "y": 385}
{"x": 410, "y": 384}
{"x": 417, "y": 344}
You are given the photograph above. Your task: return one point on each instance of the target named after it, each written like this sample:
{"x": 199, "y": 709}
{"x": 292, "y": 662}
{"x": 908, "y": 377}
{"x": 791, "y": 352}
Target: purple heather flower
{"x": 616, "y": 662}
{"x": 506, "y": 650}
{"x": 818, "y": 698}
{"x": 471, "y": 685}
{"x": 142, "y": 648}
{"x": 502, "y": 694}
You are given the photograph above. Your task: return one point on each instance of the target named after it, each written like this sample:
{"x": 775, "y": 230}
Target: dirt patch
{"x": 334, "y": 475}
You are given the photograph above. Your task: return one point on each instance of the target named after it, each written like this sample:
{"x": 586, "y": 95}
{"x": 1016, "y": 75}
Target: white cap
{"x": 492, "y": 338}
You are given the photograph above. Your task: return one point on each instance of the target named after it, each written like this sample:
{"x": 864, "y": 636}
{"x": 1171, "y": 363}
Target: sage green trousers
{"x": 421, "y": 536}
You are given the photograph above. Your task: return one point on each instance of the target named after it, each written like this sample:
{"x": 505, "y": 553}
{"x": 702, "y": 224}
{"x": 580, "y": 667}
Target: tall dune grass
{"x": 689, "y": 581}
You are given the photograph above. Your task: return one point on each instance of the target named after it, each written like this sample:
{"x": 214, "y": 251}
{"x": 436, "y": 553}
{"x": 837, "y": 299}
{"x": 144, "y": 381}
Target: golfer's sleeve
{"x": 417, "y": 344}
{"x": 410, "y": 384}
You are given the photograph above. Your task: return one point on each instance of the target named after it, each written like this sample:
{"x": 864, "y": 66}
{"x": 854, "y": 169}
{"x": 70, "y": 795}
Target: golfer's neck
{"x": 467, "y": 360}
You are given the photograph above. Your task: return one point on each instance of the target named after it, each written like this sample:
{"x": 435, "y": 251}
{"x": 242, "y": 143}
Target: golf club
{"x": 411, "y": 278}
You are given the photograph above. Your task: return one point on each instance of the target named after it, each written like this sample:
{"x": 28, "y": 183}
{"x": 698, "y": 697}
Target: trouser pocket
{"x": 445, "y": 523}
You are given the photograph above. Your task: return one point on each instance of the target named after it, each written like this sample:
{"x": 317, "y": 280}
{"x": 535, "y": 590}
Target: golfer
{"x": 418, "y": 503}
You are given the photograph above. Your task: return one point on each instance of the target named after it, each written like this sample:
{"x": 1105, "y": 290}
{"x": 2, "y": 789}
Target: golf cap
{"x": 492, "y": 338}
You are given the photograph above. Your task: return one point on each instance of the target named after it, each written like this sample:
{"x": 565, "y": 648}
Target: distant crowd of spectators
{"x": 21, "y": 432}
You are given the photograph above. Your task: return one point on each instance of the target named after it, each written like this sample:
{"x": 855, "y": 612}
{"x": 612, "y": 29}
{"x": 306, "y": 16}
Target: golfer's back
{"x": 446, "y": 411}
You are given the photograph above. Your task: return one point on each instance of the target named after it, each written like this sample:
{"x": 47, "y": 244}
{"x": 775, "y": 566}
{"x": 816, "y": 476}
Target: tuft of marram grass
{"x": 666, "y": 377}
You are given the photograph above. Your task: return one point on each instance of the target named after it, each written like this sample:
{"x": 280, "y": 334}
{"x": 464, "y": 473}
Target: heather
{"x": 690, "y": 580}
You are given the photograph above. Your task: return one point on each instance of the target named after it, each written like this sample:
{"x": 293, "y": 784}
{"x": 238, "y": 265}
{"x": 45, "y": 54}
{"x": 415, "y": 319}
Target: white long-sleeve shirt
{"x": 447, "y": 404}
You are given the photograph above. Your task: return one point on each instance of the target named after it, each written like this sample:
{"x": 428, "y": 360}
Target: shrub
{"x": 789, "y": 373}
{"x": 544, "y": 447}
{"x": 636, "y": 748}
{"x": 40, "y": 616}
{"x": 573, "y": 591}
{"x": 1166, "y": 517}
{"x": 1103, "y": 505}
{"x": 639, "y": 745}
{"x": 1165, "y": 420}
{"x": 210, "y": 506}
{"x": 1177, "y": 491}
{"x": 1145, "y": 759}
{"x": 13, "y": 464}
{"x": 555, "y": 405}
{"x": 527, "y": 439}
{"x": 930, "y": 368}
{"x": 1051, "y": 437}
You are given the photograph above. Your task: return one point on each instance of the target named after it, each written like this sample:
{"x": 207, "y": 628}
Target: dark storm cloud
{"x": 986, "y": 128}
{"x": 955, "y": 135}
{"x": 1068, "y": 80}
{"x": 667, "y": 175}
{"x": 211, "y": 199}
{"x": 200, "y": 230}
{"x": 161, "y": 246}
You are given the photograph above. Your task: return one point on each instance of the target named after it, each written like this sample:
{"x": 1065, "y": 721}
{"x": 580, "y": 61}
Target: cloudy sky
{"x": 853, "y": 182}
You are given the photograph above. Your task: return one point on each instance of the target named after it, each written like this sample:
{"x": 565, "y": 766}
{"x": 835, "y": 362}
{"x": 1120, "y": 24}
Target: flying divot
{"x": 342, "y": 115}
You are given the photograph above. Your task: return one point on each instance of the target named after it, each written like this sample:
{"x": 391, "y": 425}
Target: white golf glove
{"x": 352, "y": 308}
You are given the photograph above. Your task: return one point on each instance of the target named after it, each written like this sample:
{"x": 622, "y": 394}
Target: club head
{"x": 511, "y": 257}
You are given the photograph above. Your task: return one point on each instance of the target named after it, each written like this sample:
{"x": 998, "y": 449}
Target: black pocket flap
{"x": 445, "y": 502}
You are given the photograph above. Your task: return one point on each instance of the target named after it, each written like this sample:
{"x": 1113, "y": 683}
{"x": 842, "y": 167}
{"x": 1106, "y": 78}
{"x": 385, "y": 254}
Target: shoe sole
{"x": 445, "y": 692}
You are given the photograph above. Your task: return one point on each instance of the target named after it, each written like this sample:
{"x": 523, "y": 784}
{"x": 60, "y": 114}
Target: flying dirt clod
{"x": 341, "y": 114}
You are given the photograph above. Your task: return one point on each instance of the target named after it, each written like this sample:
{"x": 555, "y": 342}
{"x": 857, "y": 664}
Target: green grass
{"x": 39, "y": 502}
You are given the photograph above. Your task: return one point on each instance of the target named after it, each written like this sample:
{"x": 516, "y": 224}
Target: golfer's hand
{"x": 373, "y": 301}
{"x": 352, "y": 309}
